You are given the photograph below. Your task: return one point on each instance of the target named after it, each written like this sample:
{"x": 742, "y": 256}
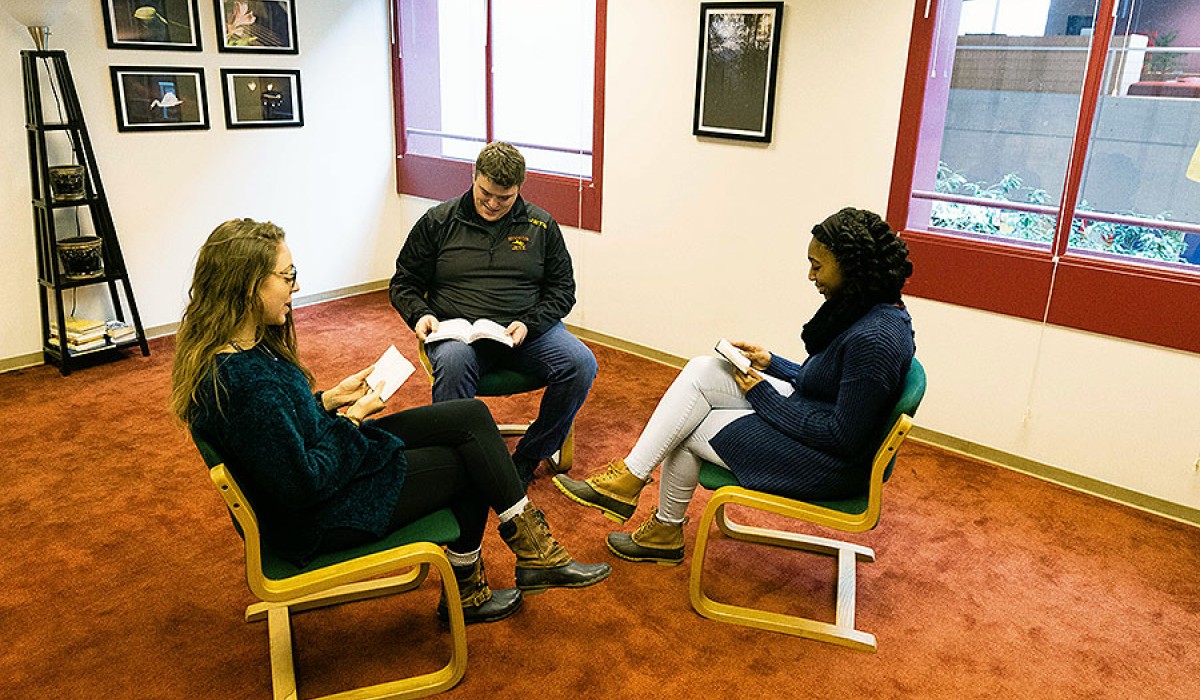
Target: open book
{"x": 463, "y": 330}
{"x": 736, "y": 358}
{"x": 391, "y": 371}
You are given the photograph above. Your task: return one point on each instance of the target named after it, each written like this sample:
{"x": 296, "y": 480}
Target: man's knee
{"x": 453, "y": 360}
{"x": 585, "y": 364}
{"x": 455, "y": 370}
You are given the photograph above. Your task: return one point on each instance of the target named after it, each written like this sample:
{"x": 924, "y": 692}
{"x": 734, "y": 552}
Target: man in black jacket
{"x": 489, "y": 254}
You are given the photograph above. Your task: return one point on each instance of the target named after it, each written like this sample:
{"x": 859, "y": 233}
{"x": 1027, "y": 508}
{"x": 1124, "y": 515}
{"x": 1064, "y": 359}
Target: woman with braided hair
{"x": 805, "y": 430}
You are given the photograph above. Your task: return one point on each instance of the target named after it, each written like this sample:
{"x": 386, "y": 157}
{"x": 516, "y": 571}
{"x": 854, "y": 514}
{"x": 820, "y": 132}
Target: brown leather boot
{"x": 654, "y": 541}
{"x": 613, "y": 492}
{"x": 479, "y": 602}
{"x": 541, "y": 561}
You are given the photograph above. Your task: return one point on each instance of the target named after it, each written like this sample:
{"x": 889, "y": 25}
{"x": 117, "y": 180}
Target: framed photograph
{"x": 159, "y": 98}
{"x": 261, "y": 97}
{"x": 735, "y": 72}
{"x": 256, "y": 26}
{"x": 162, "y": 25}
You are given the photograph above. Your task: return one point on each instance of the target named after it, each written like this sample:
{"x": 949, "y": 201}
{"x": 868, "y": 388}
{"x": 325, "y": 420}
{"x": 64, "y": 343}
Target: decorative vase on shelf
{"x": 67, "y": 182}
{"x": 81, "y": 257}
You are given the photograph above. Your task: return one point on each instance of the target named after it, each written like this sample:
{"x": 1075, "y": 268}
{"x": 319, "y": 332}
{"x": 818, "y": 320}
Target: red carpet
{"x": 123, "y": 576}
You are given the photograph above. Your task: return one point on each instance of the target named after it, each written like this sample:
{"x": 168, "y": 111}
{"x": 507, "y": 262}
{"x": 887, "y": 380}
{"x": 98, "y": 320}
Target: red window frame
{"x": 572, "y": 201}
{"x": 1124, "y": 299}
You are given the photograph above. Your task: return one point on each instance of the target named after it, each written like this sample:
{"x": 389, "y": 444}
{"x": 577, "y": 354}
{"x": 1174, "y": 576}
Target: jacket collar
{"x": 465, "y": 211}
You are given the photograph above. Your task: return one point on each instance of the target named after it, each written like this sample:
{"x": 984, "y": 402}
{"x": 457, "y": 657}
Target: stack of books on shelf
{"x": 82, "y": 334}
{"x": 120, "y": 331}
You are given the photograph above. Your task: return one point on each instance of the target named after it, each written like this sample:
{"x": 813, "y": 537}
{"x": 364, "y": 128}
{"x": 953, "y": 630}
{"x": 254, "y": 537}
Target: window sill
{"x": 1139, "y": 302}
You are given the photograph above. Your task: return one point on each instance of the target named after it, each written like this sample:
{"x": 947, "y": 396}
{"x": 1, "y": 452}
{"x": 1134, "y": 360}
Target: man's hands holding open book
{"x": 428, "y": 325}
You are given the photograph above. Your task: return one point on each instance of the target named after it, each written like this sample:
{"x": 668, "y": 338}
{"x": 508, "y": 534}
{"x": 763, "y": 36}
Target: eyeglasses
{"x": 289, "y": 274}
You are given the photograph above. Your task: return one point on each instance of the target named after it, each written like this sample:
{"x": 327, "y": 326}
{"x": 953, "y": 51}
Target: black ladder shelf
{"x": 52, "y": 281}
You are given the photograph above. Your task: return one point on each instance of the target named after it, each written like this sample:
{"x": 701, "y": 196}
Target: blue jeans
{"x": 558, "y": 358}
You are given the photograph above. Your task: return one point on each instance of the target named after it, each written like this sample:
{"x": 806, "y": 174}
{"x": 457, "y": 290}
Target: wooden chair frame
{"x": 561, "y": 461}
{"x": 842, "y": 631}
{"x": 344, "y": 582}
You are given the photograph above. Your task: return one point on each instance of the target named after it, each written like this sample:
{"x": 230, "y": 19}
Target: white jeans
{"x": 702, "y": 400}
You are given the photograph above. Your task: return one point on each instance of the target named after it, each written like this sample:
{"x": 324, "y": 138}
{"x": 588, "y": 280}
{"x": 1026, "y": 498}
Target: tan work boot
{"x": 614, "y": 491}
{"x": 541, "y": 561}
{"x": 654, "y": 541}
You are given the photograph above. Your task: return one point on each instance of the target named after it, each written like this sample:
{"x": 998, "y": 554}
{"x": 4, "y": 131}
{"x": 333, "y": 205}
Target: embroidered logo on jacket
{"x": 537, "y": 222}
{"x": 518, "y": 242}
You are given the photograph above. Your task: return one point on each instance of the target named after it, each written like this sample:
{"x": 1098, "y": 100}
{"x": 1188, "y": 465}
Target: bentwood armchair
{"x": 343, "y": 577}
{"x": 849, "y": 515}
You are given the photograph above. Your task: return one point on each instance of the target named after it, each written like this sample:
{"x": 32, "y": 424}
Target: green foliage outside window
{"x": 1118, "y": 239}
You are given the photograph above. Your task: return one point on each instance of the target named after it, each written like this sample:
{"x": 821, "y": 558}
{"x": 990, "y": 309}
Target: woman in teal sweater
{"x": 320, "y": 475}
{"x": 802, "y": 430}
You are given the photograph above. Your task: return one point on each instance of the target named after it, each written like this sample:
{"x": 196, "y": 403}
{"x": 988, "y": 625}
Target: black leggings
{"x": 456, "y": 459}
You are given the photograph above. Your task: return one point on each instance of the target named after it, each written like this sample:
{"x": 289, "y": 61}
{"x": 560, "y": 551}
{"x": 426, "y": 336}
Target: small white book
{"x": 736, "y": 358}
{"x": 463, "y": 330}
{"x": 391, "y": 371}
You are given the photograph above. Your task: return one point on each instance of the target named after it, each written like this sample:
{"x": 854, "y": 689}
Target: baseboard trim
{"x": 950, "y": 443}
{"x": 609, "y": 341}
{"x": 1056, "y": 475}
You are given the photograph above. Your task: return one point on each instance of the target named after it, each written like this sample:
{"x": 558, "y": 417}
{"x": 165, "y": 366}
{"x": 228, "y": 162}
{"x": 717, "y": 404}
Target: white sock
{"x": 461, "y": 560}
{"x": 516, "y": 510}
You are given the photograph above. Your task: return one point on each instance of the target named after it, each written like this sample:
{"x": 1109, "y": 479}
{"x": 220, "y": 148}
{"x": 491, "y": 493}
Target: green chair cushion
{"x": 504, "y": 382}
{"x": 439, "y": 527}
{"x": 713, "y": 477}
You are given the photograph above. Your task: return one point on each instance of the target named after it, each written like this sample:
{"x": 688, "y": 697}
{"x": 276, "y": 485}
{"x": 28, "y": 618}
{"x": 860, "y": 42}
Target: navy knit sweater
{"x": 819, "y": 442}
{"x": 305, "y": 471}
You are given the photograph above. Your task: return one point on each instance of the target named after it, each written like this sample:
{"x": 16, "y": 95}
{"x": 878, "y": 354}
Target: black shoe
{"x": 572, "y": 575}
{"x": 502, "y": 604}
{"x": 526, "y": 466}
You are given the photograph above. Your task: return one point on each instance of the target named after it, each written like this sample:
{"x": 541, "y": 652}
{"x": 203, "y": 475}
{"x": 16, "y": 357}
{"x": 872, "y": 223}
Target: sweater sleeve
{"x": 557, "y": 296}
{"x": 782, "y": 368}
{"x": 415, "y": 267}
{"x": 264, "y": 433}
{"x": 865, "y": 391}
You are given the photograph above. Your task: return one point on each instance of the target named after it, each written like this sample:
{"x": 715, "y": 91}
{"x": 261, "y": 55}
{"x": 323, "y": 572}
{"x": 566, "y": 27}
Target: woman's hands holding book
{"x": 368, "y": 404}
{"x": 747, "y": 381}
{"x": 347, "y": 391}
{"x": 759, "y": 358}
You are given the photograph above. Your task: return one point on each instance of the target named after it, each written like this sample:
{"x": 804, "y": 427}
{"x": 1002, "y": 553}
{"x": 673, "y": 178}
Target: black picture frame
{"x": 262, "y": 98}
{"x": 256, "y": 26}
{"x": 159, "y": 98}
{"x": 157, "y": 25}
{"x": 736, "y": 70}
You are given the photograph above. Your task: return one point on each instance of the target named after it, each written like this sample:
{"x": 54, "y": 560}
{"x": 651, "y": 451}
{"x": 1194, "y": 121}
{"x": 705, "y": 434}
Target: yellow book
{"x": 78, "y": 326}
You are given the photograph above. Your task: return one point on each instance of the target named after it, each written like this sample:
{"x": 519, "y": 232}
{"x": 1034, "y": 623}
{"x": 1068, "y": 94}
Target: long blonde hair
{"x": 232, "y": 264}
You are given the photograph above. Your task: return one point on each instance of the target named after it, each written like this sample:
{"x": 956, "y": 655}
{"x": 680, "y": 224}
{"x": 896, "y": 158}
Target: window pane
{"x": 543, "y": 59}
{"x": 443, "y": 49}
{"x": 1145, "y": 134}
{"x": 1007, "y": 75}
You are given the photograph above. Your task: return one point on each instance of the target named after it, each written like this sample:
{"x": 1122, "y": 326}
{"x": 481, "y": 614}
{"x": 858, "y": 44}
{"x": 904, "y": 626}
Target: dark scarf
{"x": 834, "y": 317}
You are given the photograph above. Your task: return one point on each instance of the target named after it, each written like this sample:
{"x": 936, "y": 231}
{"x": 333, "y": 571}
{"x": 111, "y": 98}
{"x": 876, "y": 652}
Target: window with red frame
{"x": 1048, "y": 164}
{"x": 530, "y": 72}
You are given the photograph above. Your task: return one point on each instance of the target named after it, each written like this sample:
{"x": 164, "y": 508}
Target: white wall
{"x": 330, "y": 183}
{"x": 705, "y": 238}
{"x": 702, "y": 238}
